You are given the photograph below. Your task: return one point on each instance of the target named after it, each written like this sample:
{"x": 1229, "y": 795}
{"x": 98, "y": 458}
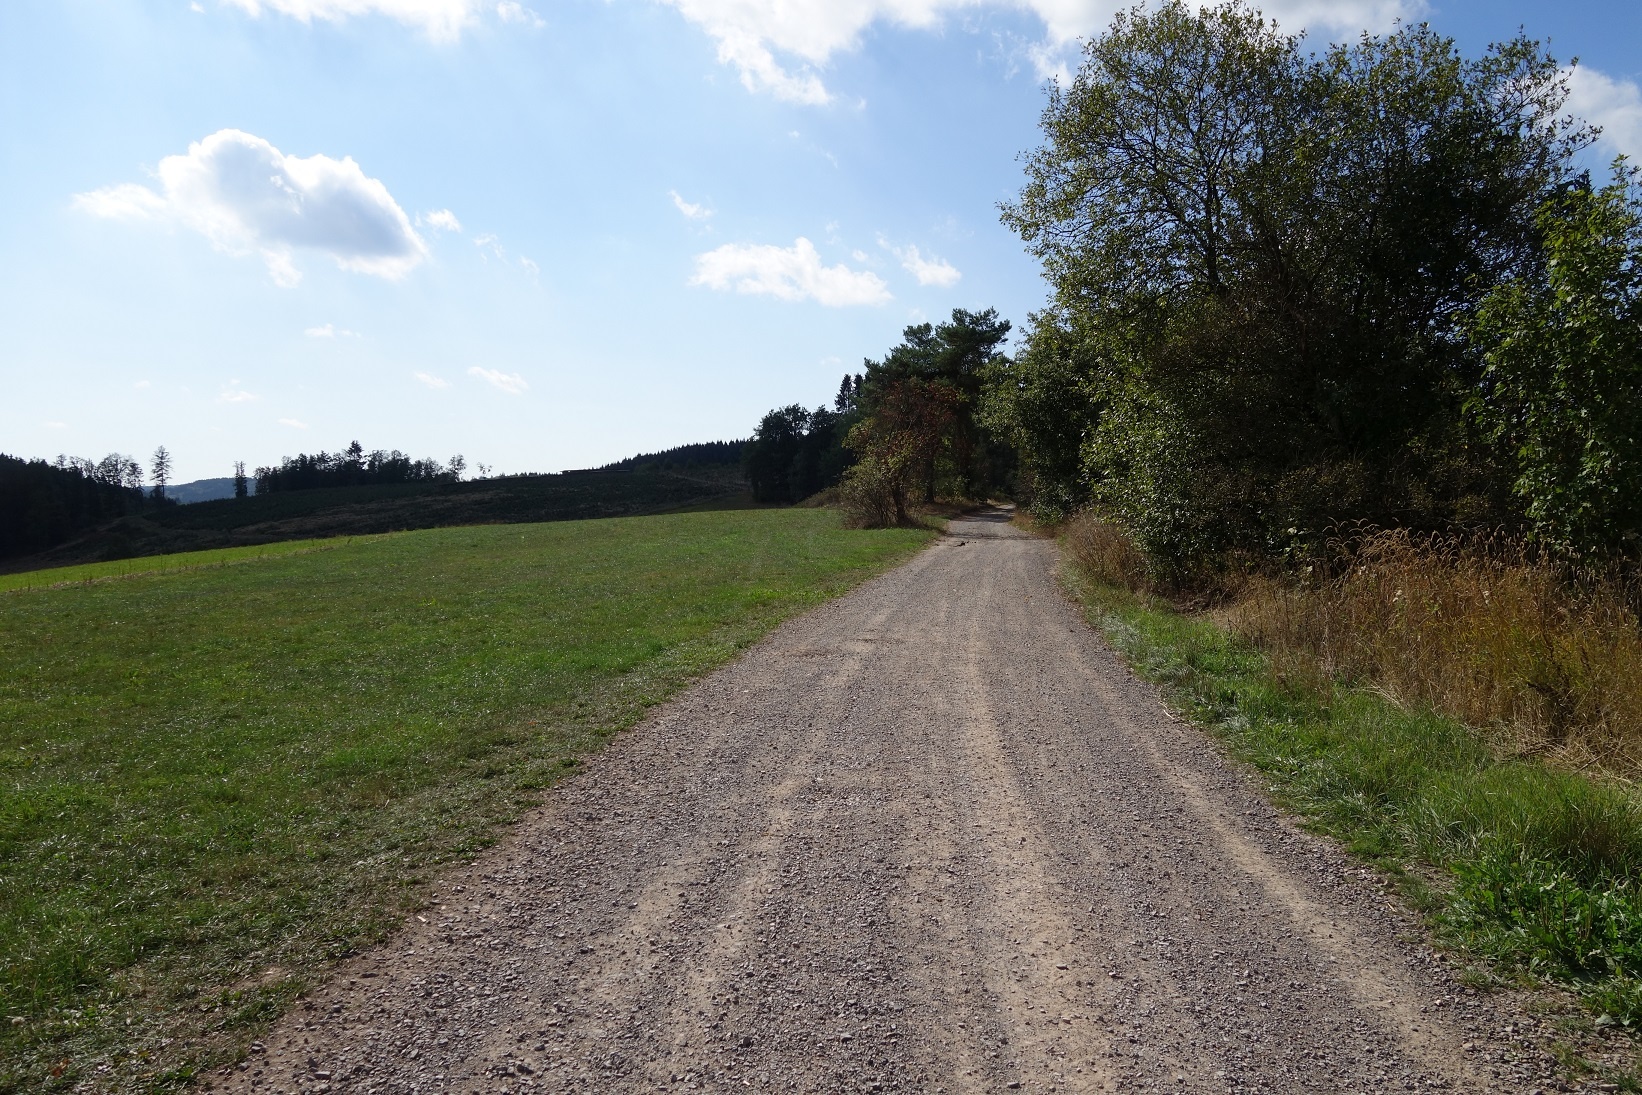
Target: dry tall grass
{"x": 1105, "y": 553}
{"x": 1541, "y": 658}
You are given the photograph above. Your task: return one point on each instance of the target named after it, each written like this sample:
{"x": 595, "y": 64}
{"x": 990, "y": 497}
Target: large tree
{"x": 957, "y": 357}
{"x": 1263, "y": 261}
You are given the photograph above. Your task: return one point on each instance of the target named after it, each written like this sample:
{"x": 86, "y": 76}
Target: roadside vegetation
{"x": 219, "y": 780}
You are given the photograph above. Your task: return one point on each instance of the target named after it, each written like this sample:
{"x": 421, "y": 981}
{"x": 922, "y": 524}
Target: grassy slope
{"x": 214, "y": 781}
{"x": 163, "y": 564}
{"x": 1512, "y": 861}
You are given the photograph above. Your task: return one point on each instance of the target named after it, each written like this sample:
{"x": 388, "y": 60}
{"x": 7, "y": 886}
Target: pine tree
{"x": 160, "y": 470}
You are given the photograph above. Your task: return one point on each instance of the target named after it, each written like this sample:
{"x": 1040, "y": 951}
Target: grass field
{"x": 163, "y": 564}
{"x": 214, "y": 781}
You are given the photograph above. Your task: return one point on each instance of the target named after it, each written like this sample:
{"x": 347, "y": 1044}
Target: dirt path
{"x": 932, "y": 837}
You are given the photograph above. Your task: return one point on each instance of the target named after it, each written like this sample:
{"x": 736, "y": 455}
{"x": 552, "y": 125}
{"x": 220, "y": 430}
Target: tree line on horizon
{"x": 354, "y": 467}
{"x": 47, "y": 503}
{"x": 906, "y": 428}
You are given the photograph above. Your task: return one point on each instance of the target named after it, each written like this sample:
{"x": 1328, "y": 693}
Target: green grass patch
{"x": 1512, "y": 860}
{"x": 216, "y": 780}
{"x": 163, "y": 564}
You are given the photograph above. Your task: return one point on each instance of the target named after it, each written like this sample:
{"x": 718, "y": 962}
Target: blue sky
{"x": 545, "y": 234}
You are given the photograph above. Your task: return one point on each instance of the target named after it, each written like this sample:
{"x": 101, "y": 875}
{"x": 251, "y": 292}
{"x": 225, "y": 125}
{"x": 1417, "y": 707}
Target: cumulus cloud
{"x": 246, "y": 197}
{"x": 689, "y": 209}
{"x": 293, "y": 423}
{"x": 807, "y": 33}
{"x": 236, "y": 395}
{"x": 511, "y": 383}
{"x": 930, "y": 271}
{"x": 1615, "y": 105}
{"x": 330, "y": 330}
{"x": 432, "y": 381}
{"x": 442, "y": 219}
{"x": 787, "y": 273}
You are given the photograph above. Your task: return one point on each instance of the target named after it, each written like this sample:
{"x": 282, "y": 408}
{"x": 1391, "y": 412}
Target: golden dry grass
{"x": 1540, "y": 657}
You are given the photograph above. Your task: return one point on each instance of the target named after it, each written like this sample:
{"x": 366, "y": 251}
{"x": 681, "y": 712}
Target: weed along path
{"x": 930, "y": 837}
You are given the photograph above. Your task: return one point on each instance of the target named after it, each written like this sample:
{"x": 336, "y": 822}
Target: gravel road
{"x": 931, "y": 837}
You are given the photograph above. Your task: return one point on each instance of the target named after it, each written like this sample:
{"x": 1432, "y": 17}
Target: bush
{"x": 872, "y": 495}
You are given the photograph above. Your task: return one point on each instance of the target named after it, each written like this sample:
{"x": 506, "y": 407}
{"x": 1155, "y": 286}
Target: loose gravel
{"x": 931, "y": 837}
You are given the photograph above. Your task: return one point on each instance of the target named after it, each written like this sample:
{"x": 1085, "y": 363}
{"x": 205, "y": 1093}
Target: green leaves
{"x": 1562, "y": 388}
{"x": 1262, "y": 262}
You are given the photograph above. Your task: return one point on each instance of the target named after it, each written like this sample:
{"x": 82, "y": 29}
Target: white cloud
{"x": 330, "y": 330}
{"x": 55, "y": 425}
{"x": 246, "y": 196}
{"x": 750, "y": 34}
{"x": 432, "y": 381}
{"x": 511, "y": 383}
{"x": 293, "y": 423}
{"x": 440, "y": 20}
{"x": 126, "y": 201}
{"x": 1615, "y": 105}
{"x": 442, "y": 219}
{"x": 141, "y": 384}
{"x": 236, "y": 395}
{"x": 930, "y": 271}
{"x": 508, "y": 11}
{"x": 787, "y": 273}
{"x": 491, "y": 247}
{"x": 692, "y": 211}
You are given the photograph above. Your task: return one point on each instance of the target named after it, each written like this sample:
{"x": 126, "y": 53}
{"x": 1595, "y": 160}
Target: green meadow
{"x": 215, "y": 779}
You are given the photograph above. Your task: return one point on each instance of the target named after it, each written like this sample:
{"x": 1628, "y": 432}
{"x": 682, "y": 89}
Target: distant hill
{"x": 201, "y": 490}
{"x": 364, "y": 510}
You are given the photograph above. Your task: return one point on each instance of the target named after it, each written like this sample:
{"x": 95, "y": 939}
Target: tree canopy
{"x": 1264, "y": 262}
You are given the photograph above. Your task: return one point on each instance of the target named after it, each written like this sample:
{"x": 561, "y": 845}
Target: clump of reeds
{"x": 1541, "y": 655}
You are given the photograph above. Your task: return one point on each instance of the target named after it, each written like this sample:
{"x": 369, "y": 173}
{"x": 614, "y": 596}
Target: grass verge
{"x": 214, "y": 782}
{"x": 1525, "y": 865}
